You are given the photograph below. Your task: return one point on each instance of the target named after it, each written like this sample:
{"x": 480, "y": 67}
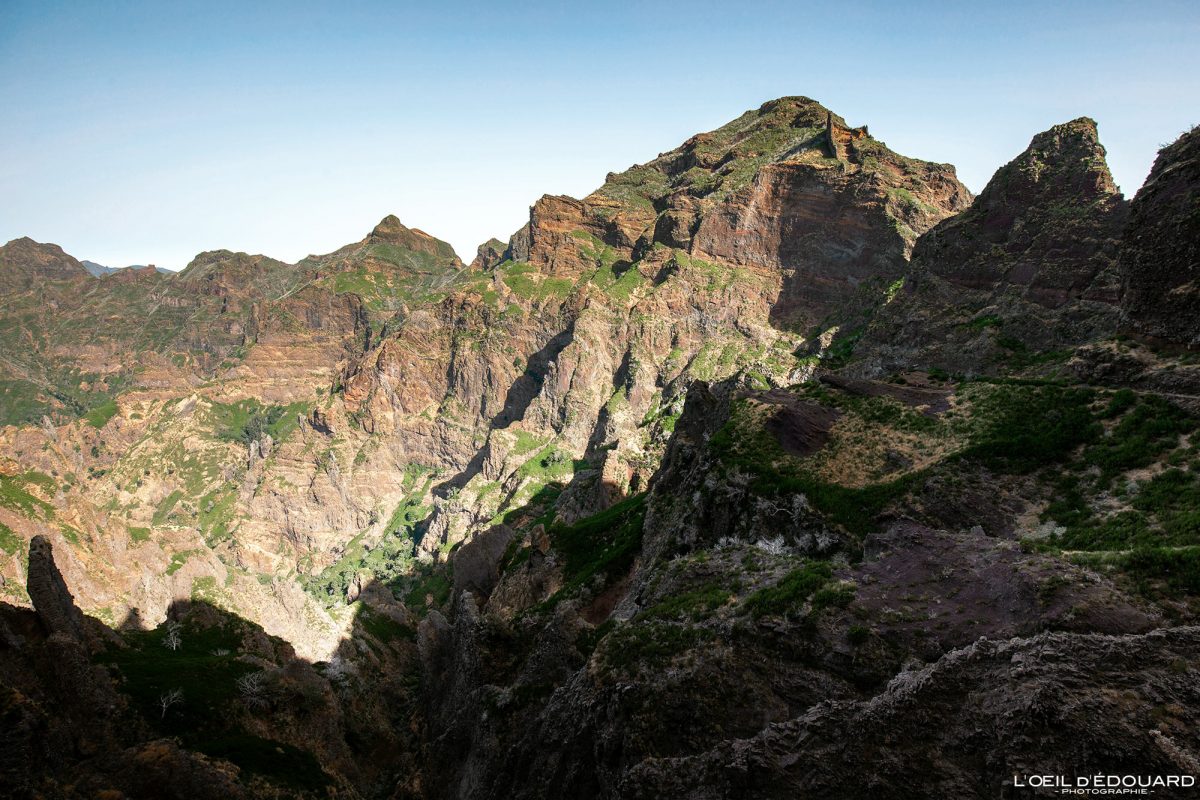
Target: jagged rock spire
{"x": 49, "y": 593}
{"x": 1046, "y": 225}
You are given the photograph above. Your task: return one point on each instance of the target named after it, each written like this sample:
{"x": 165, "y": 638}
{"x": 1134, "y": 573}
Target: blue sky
{"x": 137, "y": 132}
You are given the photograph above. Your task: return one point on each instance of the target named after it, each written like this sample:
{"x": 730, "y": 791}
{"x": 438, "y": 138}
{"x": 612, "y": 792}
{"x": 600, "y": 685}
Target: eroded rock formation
{"x": 1030, "y": 267}
{"x": 49, "y": 593}
{"x": 1160, "y": 254}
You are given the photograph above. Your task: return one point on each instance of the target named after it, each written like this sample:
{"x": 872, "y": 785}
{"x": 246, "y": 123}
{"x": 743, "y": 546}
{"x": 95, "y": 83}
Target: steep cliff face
{"x": 771, "y": 191}
{"x": 581, "y": 336}
{"x": 1160, "y": 254}
{"x": 1046, "y": 226}
{"x": 767, "y": 192}
{"x": 49, "y": 593}
{"x": 1028, "y": 270}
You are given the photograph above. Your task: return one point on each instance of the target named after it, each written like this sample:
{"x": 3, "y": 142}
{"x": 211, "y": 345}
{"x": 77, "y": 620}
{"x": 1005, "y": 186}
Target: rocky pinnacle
{"x": 48, "y": 591}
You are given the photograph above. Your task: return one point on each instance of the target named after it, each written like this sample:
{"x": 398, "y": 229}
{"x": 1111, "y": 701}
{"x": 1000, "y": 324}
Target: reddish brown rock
{"x": 489, "y": 254}
{"x": 24, "y": 262}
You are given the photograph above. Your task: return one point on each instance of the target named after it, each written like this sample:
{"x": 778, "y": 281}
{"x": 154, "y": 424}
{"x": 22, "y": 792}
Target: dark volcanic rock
{"x": 1138, "y": 366}
{"x": 800, "y": 428}
{"x": 931, "y": 399}
{"x": 477, "y": 561}
{"x": 49, "y": 593}
{"x": 1056, "y": 703}
{"x": 1160, "y": 255}
{"x": 1047, "y": 224}
{"x": 946, "y": 577}
{"x": 1031, "y": 266}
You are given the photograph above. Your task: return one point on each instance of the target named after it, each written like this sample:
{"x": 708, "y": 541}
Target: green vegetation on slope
{"x": 600, "y": 548}
{"x": 528, "y": 283}
{"x": 390, "y": 559}
{"x": 15, "y": 494}
{"x": 742, "y": 444}
{"x": 1023, "y": 427}
{"x": 205, "y": 669}
{"x": 99, "y": 416}
{"x": 1078, "y": 439}
{"x": 785, "y": 128}
{"x": 793, "y": 589}
{"x": 9, "y": 541}
{"x": 62, "y": 393}
{"x": 247, "y": 420}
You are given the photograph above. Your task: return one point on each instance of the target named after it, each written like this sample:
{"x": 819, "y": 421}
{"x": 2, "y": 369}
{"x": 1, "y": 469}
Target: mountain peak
{"x": 1066, "y": 160}
{"x": 1080, "y": 126}
{"x": 714, "y": 165}
{"x": 1046, "y": 224}
{"x": 489, "y": 254}
{"x": 390, "y": 227}
{"x": 1160, "y": 256}
{"x": 1065, "y": 163}
{"x": 30, "y": 260}
{"x": 391, "y": 233}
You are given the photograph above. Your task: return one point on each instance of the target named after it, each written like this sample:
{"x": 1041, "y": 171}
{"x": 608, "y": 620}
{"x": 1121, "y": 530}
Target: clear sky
{"x": 145, "y": 132}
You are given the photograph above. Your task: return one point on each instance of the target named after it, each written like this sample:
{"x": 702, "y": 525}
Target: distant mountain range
{"x": 99, "y": 269}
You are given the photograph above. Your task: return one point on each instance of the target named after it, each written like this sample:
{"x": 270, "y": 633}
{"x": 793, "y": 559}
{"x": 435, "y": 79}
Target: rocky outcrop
{"x": 77, "y": 726}
{"x": 1055, "y": 704}
{"x": 1160, "y": 252}
{"x": 1030, "y": 267}
{"x": 1046, "y": 227}
{"x": 391, "y": 231}
{"x": 489, "y": 254}
{"x": 763, "y": 193}
{"x": 653, "y": 710}
{"x": 1143, "y": 366}
{"x": 555, "y": 221}
{"x": 829, "y": 231}
{"x": 49, "y": 593}
{"x": 477, "y": 562}
{"x": 694, "y": 504}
